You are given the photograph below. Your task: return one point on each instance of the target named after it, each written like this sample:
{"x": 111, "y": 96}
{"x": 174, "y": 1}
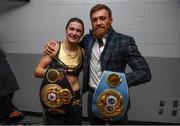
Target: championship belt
{"x": 110, "y": 99}
{"x": 55, "y": 92}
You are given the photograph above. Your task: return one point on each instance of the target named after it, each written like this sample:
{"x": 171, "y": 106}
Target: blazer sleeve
{"x": 140, "y": 69}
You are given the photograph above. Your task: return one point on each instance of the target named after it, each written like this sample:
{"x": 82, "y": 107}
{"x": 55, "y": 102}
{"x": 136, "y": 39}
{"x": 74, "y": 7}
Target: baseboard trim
{"x": 36, "y": 114}
{"x": 132, "y": 122}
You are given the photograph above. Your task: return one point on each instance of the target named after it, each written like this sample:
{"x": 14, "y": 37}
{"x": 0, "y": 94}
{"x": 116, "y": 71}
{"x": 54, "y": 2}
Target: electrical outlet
{"x": 174, "y": 112}
{"x": 161, "y": 111}
{"x": 175, "y": 104}
{"x": 162, "y": 103}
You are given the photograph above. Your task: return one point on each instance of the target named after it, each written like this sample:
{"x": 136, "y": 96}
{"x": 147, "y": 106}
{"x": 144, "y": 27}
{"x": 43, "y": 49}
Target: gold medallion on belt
{"x": 54, "y": 75}
{"x": 114, "y": 80}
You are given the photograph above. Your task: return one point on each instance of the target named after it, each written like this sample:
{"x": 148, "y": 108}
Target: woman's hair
{"x": 75, "y": 19}
{"x": 100, "y": 7}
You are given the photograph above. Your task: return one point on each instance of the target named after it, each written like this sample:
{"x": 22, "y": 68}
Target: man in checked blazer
{"x": 116, "y": 51}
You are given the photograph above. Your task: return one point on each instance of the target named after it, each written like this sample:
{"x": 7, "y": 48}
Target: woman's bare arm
{"x": 40, "y": 69}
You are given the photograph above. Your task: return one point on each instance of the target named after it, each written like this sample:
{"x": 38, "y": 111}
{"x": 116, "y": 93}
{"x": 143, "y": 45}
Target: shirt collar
{"x": 103, "y": 39}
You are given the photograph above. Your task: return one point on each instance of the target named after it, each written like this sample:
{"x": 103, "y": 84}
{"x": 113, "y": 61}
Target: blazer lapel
{"x": 108, "y": 49}
{"x": 90, "y": 44}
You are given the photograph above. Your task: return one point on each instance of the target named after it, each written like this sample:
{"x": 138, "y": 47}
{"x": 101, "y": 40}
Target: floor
{"x": 31, "y": 120}
{"x": 36, "y": 119}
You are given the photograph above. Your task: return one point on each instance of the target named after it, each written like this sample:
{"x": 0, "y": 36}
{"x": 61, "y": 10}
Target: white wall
{"x": 24, "y": 28}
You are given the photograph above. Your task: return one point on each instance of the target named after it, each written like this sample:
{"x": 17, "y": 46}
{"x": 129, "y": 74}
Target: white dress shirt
{"x": 95, "y": 65}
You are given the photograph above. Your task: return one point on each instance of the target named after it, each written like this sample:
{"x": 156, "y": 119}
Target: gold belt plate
{"x": 53, "y": 96}
{"x": 110, "y": 103}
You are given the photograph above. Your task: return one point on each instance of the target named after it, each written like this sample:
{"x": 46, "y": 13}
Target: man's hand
{"x": 51, "y": 48}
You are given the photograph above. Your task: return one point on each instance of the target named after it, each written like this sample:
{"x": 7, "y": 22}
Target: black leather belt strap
{"x": 54, "y": 97}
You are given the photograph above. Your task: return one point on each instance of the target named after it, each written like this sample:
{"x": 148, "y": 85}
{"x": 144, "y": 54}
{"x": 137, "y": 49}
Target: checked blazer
{"x": 119, "y": 51}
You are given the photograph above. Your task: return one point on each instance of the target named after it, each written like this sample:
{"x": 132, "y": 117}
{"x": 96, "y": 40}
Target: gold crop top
{"x": 71, "y": 63}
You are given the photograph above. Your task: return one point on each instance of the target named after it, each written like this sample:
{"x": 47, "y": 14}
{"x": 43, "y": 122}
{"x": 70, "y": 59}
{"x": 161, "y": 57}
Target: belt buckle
{"x": 76, "y": 102}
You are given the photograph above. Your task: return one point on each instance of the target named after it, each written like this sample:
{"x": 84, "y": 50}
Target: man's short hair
{"x": 100, "y": 7}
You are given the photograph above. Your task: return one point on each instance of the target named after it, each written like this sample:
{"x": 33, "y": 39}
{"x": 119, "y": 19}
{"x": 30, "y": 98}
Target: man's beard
{"x": 100, "y": 32}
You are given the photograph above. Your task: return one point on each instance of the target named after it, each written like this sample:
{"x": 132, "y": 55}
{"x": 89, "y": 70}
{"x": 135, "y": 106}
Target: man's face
{"x": 101, "y": 22}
